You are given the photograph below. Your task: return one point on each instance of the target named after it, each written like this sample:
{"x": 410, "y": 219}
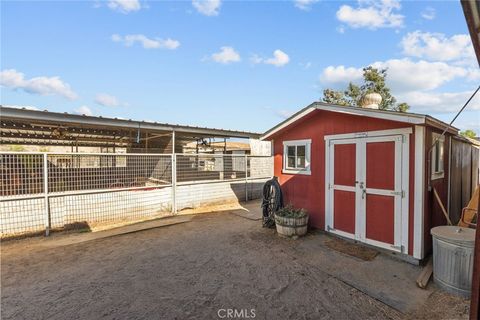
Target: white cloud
{"x": 372, "y": 14}
{"x": 473, "y": 74}
{"x": 116, "y": 38}
{"x": 436, "y": 46}
{"x": 340, "y": 76}
{"x": 418, "y": 83}
{"x": 44, "y": 86}
{"x": 84, "y": 110}
{"x": 465, "y": 122}
{"x": 226, "y": 55}
{"x": 147, "y": 43}
{"x": 279, "y": 59}
{"x": 421, "y": 83}
{"x": 428, "y": 13}
{"x": 304, "y": 4}
{"x": 439, "y": 102}
{"x": 403, "y": 74}
{"x": 207, "y": 7}
{"x": 124, "y": 6}
{"x": 106, "y": 100}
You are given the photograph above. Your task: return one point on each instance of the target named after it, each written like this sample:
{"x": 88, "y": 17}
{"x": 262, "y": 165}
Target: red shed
{"x": 366, "y": 174}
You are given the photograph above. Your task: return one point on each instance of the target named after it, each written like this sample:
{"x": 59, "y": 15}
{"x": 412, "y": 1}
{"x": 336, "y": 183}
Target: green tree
{"x": 335, "y": 97}
{"x": 373, "y": 81}
{"x": 468, "y": 133}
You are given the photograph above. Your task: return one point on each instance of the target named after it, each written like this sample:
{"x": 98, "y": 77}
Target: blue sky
{"x": 231, "y": 64}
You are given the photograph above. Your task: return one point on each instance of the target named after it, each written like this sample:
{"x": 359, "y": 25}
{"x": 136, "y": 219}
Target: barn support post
{"x": 174, "y": 175}
{"x": 246, "y": 178}
{"x": 45, "y": 191}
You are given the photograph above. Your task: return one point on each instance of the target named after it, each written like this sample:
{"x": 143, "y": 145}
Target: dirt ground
{"x": 192, "y": 270}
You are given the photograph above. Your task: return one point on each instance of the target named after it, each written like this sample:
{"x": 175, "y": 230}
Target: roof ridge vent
{"x": 371, "y": 101}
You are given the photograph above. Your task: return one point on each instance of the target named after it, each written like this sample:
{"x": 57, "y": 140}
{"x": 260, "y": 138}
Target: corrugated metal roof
{"x": 58, "y": 118}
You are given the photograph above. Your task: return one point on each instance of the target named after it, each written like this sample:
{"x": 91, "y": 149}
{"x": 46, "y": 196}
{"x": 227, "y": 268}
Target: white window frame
{"x": 295, "y": 143}
{"x": 440, "y": 173}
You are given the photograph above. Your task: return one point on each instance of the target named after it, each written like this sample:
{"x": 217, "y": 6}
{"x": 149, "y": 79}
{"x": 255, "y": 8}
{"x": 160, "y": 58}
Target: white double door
{"x": 366, "y": 191}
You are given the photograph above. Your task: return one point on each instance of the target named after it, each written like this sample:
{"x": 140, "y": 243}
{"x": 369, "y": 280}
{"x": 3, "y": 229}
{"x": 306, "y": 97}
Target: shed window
{"x": 296, "y": 156}
{"x": 437, "y": 156}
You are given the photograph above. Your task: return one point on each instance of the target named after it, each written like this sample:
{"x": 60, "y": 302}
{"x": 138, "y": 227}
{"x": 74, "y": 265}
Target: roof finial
{"x": 371, "y": 101}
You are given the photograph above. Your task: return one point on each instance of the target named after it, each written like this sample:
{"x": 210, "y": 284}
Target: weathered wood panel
{"x": 475, "y": 167}
{"x": 456, "y": 181}
{"x": 464, "y": 176}
{"x": 466, "y": 173}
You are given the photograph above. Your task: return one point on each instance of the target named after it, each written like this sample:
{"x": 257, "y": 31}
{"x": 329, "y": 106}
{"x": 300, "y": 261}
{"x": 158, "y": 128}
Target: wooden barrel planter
{"x": 291, "y": 226}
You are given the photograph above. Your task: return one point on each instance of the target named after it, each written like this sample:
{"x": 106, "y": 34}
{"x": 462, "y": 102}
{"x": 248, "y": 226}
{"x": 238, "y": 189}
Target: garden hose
{"x": 272, "y": 201}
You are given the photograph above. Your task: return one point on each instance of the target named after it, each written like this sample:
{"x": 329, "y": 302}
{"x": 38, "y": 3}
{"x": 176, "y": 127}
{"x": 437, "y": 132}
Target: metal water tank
{"x": 453, "y": 249}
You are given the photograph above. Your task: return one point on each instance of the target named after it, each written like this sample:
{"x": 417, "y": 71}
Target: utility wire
{"x": 429, "y": 154}
{"x": 456, "y": 116}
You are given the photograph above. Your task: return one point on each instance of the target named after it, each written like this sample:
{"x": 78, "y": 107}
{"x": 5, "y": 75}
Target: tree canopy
{"x": 374, "y": 81}
{"x": 468, "y": 133}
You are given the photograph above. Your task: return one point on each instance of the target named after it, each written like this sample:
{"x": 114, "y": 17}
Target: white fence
{"x": 44, "y": 191}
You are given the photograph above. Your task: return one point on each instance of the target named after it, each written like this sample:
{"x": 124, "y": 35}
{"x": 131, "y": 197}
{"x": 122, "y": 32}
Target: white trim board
{"x": 405, "y": 187}
{"x": 286, "y": 123}
{"x": 365, "y": 134}
{"x": 296, "y": 142}
{"x": 299, "y": 171}
{"x": 375, "y": 113}
{"x": 419, "y": 193}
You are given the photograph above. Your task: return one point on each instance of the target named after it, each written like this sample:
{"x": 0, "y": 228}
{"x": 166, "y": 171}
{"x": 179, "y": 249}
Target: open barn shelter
{"x": 371, "y": 175}
{"x": 43, "y": 128}
{"x": 58, "y": 169}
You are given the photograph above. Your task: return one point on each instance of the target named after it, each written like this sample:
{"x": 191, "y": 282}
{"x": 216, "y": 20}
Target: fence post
{"x": 246, "y": 178}
{"x": 174, "y": 175}
{"x": 45, "y": 191}
{"x": 174, "y": 183}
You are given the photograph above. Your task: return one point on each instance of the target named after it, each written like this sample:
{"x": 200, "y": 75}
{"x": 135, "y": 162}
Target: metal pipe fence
{"x": 44, "y": 191}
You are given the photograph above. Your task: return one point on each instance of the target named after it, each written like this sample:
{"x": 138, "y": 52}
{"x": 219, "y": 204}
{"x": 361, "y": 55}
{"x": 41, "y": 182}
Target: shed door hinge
{"x": 401, "y": 248}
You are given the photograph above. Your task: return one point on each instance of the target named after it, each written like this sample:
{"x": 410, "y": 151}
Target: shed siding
{"x": 463, "y": 176}
{"x": 433, "y": 215}
{"x": 308, "y": 191}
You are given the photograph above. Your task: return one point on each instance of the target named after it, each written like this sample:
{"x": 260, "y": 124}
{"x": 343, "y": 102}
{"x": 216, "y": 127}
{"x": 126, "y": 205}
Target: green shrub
{"x": 290, "y": 212}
